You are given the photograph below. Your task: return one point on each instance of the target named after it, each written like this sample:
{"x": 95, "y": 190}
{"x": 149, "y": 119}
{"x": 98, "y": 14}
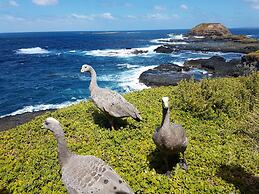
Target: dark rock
{"x": 171, "y": 67}
{"x": 136, "y": 52}
{"x": 211, "y": 45}
{"x": 164, "y": 75}
{"x": 164, "y": 49}
{"x": 219, "y": 67}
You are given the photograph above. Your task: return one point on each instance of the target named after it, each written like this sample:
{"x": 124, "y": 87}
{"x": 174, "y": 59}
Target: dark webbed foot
{"x": 183, "y": 164}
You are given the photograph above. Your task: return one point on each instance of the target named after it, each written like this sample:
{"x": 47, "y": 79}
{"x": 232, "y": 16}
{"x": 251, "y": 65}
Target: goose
{"x": 108, "y": 101}
{"x": 169, "y": 138}
{"x": 85, "y": 174}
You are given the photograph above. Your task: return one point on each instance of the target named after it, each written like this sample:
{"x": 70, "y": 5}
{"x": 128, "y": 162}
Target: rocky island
{"x": 206, "y": 37}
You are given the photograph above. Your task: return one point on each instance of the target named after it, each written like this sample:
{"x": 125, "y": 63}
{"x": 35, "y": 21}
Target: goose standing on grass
{"x": 108, "y": 101}
{"x": 170, "y": 138}
{"x": 85, "y": 174}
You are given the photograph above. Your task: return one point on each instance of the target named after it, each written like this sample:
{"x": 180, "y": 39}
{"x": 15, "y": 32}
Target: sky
{"x": 105, "y": 15}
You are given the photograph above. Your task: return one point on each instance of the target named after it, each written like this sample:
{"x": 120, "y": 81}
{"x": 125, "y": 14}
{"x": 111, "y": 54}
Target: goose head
{"x": 165, "y": 102}
{"x": 52, "y": 124}
{"x": 85, "y": 68}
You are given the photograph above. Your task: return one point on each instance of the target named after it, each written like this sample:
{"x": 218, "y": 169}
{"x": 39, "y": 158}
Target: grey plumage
{"x": 170, "y": 138}
{"x": 108, "y": 101}
{"x": 85, "y": 174}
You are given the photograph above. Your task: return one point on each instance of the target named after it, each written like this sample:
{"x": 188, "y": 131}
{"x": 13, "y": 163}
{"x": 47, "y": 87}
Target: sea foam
{"x": 173, "y": 39}
{"x": 32, "y": 51}
{"x": 129, "y": 80}
{"x": 132, "y": 52}
{"x": 177, "y": 36}
{"x": 29, "y": 109}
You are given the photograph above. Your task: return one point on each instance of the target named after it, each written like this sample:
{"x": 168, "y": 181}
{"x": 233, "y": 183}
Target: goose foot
{"x": 168, "y": 174}
{"x": 112, "y": 124}
{"x": 183, "y": 164}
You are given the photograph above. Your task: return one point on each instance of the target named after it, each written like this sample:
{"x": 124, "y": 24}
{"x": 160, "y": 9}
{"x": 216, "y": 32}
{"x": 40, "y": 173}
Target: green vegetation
{"x": 220, "y": 117}
{"x": 253, "y": 55}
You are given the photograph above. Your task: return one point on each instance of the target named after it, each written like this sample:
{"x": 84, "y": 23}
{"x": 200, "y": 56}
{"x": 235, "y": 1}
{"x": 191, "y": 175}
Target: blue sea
{"x": 41, "y": 71}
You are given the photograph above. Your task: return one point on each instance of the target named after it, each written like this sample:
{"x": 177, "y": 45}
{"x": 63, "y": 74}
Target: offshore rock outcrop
{"x": 206, "y": 37}
{"x": 211, "y": 37}
{"x": 210, "y": 30}
{"x": 164, "y": 75}
{"x": 216, "y": 66}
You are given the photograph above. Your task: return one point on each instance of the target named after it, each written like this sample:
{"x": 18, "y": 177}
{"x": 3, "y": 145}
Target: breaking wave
{"x": 131, "y": 52}
{"x": 32, "y": 51}
{"x": 29, "y": 109}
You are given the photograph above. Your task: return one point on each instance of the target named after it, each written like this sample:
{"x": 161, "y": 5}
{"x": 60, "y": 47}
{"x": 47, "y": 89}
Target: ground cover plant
{"x": 220, "y": 117}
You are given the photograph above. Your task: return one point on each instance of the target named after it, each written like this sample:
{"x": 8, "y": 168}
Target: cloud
{"x": 159, "y": 16}
{"x": 13, "y": 3}
{"x": 81, "y": 16}
{"x": 107, "y": 16}
{"x": 45, "y": 2}
{"x": 11, "y": 18}
{"x": 253, "y": 3}
{"x": 184, "y": 7}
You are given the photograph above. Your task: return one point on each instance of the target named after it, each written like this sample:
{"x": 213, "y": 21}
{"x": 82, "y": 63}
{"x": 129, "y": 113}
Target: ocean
{"x": 41, "y": 71}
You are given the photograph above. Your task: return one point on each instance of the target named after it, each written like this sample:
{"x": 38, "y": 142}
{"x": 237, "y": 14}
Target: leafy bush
{"x": 209, "y": 99}
{"x": 220, "y": 159}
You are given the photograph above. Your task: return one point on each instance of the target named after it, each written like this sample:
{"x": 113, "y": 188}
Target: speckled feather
{"x": 91, "y": 175}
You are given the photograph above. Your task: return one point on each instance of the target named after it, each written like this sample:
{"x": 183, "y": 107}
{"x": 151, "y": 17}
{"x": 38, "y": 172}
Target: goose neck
{"x": 63, "y": 152}
{"x": 166, "y": 116}
{"x": 93, "y": 83}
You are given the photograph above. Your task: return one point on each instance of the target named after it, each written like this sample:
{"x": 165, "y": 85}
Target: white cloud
{"x": 81, "y": 16}
{"x": 45, "y": 2}
{"x": 184, "y": 7}
{"x": 107, "y": 16}
{"x": 159, "y": 16}
{"x": 253, "y": 3}
{"x": 13, "y": 3}
{"x": 11, "y": 18}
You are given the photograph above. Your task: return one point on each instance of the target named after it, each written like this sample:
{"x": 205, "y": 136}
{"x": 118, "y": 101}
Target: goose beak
{"x": 82, "y": 71}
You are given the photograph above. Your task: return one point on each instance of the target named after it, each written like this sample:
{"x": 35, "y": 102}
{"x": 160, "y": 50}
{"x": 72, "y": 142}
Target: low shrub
{"x": 220, "y": 158}
{"x": 209, "y": 99}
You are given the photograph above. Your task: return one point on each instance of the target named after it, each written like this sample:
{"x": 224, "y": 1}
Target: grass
{"x": 220, "y": 117}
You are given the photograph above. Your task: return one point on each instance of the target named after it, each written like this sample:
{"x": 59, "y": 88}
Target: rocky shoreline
{"x": 10, "y": 122}
{"x": 207, "y": 37}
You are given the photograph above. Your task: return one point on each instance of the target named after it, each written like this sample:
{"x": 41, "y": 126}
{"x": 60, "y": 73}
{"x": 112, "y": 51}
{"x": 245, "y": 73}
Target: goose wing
{"x": 114, "y": 104}
{"x": 91, "y": 175}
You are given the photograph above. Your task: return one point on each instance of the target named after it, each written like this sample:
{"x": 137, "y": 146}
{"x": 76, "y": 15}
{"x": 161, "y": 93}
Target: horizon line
{"x": 113, "y": 30}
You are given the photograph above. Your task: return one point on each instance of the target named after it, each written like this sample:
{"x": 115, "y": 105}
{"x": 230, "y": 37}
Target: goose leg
{"x": 168, "y": 172}
{"x": 112, "y": 123}
{"x": 183, "y": 163}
